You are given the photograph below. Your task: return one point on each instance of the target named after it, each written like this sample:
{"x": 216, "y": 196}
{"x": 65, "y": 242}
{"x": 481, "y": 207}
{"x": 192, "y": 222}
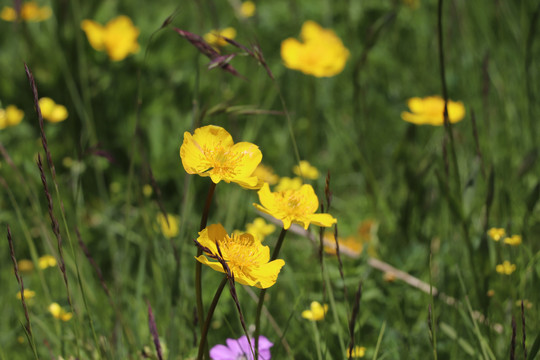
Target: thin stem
{"x": 206, "y": 325}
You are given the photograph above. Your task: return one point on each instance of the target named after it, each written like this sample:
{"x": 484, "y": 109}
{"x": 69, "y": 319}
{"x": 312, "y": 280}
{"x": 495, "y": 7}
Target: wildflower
{"x": 246, "y": 257}
{"x": 490, "y": 293}
{"x": 25, "y": 266}
{"x": 169, "y": 226}
{"x": 239, "y": 349}
{"x": 216, "y": 37}
{"x": 52, "y": 111}
{"x": 210, "y": 151}
{"x": 357, "y": 352}
{"x": 28, "y": 294}
{"x": 11, "y": 116}
{"x": 296, "y": 206}
{"x": 413, "y": 4}
{"x": 30, "y": 11}
{"x": 305, "y": 170}
{"x": 59, "y": 313}
{"x": 322, "y": 54}
{"x": 526, "y": 304}
{"x": 247, "y": 9}
{"x": 514, "y": 240}
{"x": 265, "y": 174}
{"x": 496, "y": 233}
{"x": 505, "y": 268}
{"x": 430, "y": 111}
{"x": 350, "y": 244}
{"x": 118, "y": 38}
{"x": 389, "y": 277}
{"x": 260, "y": 229}
{"x": 316, "y": 311}
{"x": 46, "y": 261}
{"x": 286, "y": 183}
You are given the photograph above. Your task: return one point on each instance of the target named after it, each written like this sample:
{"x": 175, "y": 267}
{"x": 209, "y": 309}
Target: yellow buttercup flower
{"x": 30, "y": 11}
{"x": 59, "y": 313}
{"x": 46, "y": 261}
{"x": 430, "y": 111}
{"x": 265, "y": 174}
{"x": 210, "y": 151}
{"x": 25, "y": 265}
{"x": 349, "y": 244}
{"x": 147, "y": 190}
{"x": 306, "y": 170}
{"x": 505, "y": 268}
{"x": 321, "y": 54}
{"x": 247, "y": 9}
{"x": 260, "y": 229}
{"x": 496, "y": 233}
{"x": 170, "y": 230}
{"x": 246, "y": 257}
{"x": 118, "y": 38}
{"x": 316, "y": 311}
{"x": 296, "y": 206}
{"x": 52, "y": 111}
{"x": 11, "y": 116}
{"x": 216, "y": 37}
{"x": 286, "y": 183}
{"x": 357, "y": 352}
{"x": 28, "y": 294}
{"x": 514, "y": 240}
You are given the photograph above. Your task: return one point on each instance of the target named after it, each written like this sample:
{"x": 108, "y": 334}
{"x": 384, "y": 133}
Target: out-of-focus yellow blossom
{"x": 496, "y": 233}
{"x": 316, "y": 311}
{"x": 147, "y": 190}
{"x": 350, "y": 244}
{"x": 171, "y": 230}
{"x": 490, "y": 293}
{"x": 357, "y": 352}
{"x": 210, "y": 151}
{"x": 52, "y": 111}
{"x": 296, "y": 206}
{"x": 505, "y": 268}
{"x": 305, "y": 170}
{"x": 247, "y": 9}
{"x": 526, "y": 304}
{"x": 30, "y": 11}
{"x": 11, "y": 116}
{"x": 260, "y": 229}
{"x": 25, "y": 265}
{"x": 265, "y": 174}
{"x": 46, "y": 261}
{"x": 430, "y": 111}
{"x": 59, "y": 313}
{"x": 28, "y": 294}
{"x": 246, "y": 257}
{"x": 216, "y": 37}
{"x": 389, "y": 277}
{"x": 413, "y": 4}
{"x": 286, "y": 183}
{"x": 118, "y": 38}
{"x": 514, "y": 240}
{"x": 20, "y": 339}
{"x": 321, "y": 54}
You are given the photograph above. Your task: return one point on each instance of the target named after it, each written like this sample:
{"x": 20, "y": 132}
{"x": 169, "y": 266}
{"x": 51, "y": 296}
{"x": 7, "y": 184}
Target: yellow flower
{"x": 286, "y": 183}
{"x": 210, "y": 151}
{"x": 118, "y": 38}
{"x": 296, "y": 206}
{"x": 215, "y": 37}
{"x": 247, "y": 9}
{"x": 430, "y": 111}
{"x": 52, "y": 111}
{"x": 25, "y": 266}
{"x": 46, "y": 261}
{"x": 260, "y": 229}
{"x": 505, "y": 268}
{"x": 147, "y": 190}
{"x": 265, "y": 174}
{"x": 514, "y": 240}
{"x": 246, "y": 257}
{"x": 496, "y": 233}
{"x": 28, "y": 294}
{"x": 170, "y": 230}
{"x": 322, "y": 54}
{"x": 306, "y": 170}
{"x": 316, "y": 311}
{"x": 491, "y": 293}
{"x": 30, "y": 11}
{"x": 59, "y": 313}
{"x": 357, "y": 352}
{"x": 389, "y": 277}
{"x": 350, "y": 244}
{"x": 413, "y": 4}
{"x": 11, "y": 116}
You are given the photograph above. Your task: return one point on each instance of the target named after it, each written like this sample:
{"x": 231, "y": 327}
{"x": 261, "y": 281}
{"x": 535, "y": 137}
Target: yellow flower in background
{"x": 286, "y": 183}
{"x": 349, "y": 244}
{"x": 46, "y": 261}
{"x": 316, "y": 311}
{"x": 247, "y": 9}
{"x": 505, "y": 268}
{"x": 59, "y": 313}
{"x": 260, "y": 229}
{"x": 430, "y": 111}
{"x": 296, "y": 206}
{"x": 514, "y": 240}
{"x": 52, "y": 111}
{"x": 357, "y": 352}
{"x": 118, "y": 38}
{"x": 216, "y": 37}
{"x": 321, "y": 54}
{"x": 496, "y": 233}
{"x": 265, "y": 174}
{"x": 170, "y": 230}
{"x": 25, "y": 265}
{"x": 306, "y": 170}
{"x": 28, "y": 294}
{"x": 413, "y": 4}
{"x": 210, "y": 151}
{"x": 30, "y": 11}
{"x": 246, "y": 257}
{"x": 11, "y": 116}
{"x": 147, "y": 190}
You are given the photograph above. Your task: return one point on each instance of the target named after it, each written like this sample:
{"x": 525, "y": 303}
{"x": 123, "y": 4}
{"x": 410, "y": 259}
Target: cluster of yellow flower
{"x": 10, "y": 116}
{"x": 30, "y": 11}
{"x": 496, "y": 234}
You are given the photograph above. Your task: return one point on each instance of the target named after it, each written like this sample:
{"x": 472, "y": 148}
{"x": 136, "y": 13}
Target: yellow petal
{"x": 322, "y": 220}
{"x": 310, "y": 31}
{"x": 13, "y": 115}
{"x": 120, "y": 38}
{"x": 8, "y": 14}
{"x": 290, "y": 53}
{"x": 95, "y": 34}
{"x": 456, "y": 111}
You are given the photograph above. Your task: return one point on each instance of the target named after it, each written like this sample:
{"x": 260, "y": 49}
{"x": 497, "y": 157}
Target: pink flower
{"x": 239, "y": 349}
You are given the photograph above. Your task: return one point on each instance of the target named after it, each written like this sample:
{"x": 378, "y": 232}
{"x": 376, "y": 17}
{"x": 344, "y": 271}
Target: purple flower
{"x": 239, "y": 349}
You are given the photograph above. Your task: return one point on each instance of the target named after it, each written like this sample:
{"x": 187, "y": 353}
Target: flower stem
{"x": 275, "y": 254}
{"x": 206, "y": 325}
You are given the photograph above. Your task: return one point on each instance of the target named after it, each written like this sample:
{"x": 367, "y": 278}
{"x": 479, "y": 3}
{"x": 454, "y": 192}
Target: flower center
{"x": 239, "y": 251}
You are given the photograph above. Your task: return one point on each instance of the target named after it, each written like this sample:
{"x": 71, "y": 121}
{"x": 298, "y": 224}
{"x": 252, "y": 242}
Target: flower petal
{"x": 95, "y": 34}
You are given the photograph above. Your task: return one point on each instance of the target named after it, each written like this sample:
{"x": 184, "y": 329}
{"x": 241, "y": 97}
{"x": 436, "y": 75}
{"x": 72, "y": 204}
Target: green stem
{"x": 206, "y": 325}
